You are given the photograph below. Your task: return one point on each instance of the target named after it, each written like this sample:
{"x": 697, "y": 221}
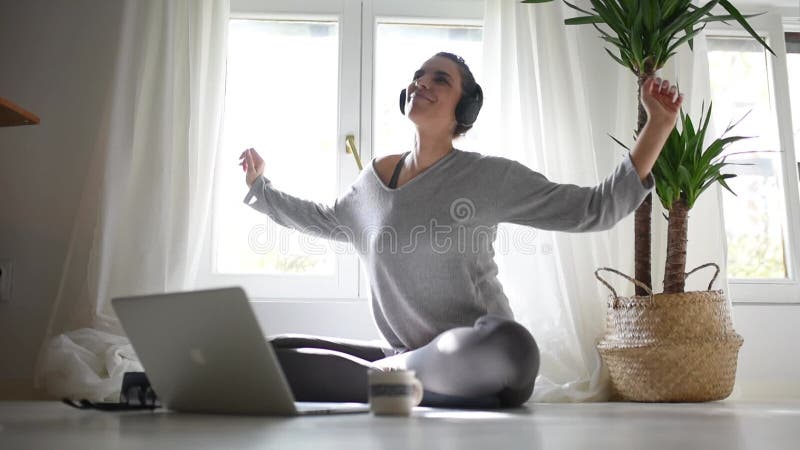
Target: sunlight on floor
{"x": 466, "y": 415}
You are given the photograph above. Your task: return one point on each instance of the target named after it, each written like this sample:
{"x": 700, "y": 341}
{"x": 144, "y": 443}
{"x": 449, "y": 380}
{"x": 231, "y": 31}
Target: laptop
{"x": 204, "y": 351}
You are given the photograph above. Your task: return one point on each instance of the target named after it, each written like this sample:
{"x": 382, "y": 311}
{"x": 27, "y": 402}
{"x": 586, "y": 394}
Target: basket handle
{"x": 703, "y": 266}
{"x": 636, "y": 282}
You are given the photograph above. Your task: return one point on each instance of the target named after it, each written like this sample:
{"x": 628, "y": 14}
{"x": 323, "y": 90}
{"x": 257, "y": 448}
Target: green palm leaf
{"x": 684, "y": 169}
{"x": 583, "y": 20}
{"x": 738, "y": 16}
{"x": 647, "y": 33}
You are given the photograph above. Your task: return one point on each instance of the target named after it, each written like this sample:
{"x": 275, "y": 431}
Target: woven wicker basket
{"x": 670, "y": 347}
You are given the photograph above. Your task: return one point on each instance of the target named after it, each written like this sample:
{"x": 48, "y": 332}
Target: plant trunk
{"x": 642, "y": 232}
{"x": 675, "y": 270}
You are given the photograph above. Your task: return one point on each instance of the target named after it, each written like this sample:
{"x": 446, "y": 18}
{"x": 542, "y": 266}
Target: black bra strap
{"x": 396, "y": 174}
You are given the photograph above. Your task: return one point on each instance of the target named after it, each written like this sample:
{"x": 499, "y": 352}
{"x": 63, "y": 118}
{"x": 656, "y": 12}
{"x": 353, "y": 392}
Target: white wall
{"x": 769, "y": 366}
{"x": 56, "y": 58}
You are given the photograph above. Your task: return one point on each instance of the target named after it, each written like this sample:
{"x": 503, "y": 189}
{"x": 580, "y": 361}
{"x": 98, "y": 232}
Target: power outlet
{"x": 6, "y": 279}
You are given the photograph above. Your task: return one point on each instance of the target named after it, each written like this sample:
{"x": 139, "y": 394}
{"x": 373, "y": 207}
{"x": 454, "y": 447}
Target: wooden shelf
{"x": 12, "y": 115}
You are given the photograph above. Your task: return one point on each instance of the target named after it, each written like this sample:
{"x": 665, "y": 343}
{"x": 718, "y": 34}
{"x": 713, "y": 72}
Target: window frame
{"x": 343, "y": 284}
{"x": 772, "y": 26}
{"x": 357, "y": 25}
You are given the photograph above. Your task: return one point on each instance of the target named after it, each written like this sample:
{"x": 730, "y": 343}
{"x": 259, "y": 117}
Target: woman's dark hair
{"x": 471, "y": 95}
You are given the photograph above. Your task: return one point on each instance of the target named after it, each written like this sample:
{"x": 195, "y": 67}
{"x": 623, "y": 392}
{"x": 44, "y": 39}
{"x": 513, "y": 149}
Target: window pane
{"x": 281, "y": 99}
{"x": 793, "y": 63}
{"x": 755, "y": 219}
{"x": 399, "y": 51}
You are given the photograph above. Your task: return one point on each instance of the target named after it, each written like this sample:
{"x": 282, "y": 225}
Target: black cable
{"x": 108, "y": 406}
{"x": 136, "y": 394}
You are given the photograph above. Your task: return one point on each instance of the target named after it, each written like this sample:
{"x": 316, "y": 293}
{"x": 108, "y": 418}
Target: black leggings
{"x": 492, "y": 364}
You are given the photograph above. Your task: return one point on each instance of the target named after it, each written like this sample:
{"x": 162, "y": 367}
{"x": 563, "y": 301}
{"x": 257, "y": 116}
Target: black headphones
{"x": 467, "y": 109}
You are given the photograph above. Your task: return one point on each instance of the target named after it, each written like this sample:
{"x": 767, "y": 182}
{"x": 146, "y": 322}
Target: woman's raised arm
{"x": 527, "y": 197}
{"x": 292, "y": 212}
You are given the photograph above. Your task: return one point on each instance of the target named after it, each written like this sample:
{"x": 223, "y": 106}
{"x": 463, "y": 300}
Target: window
{"x": 755, "y": 219}
{"x": 301, "y": 77}
{"x": 793, "y": 68}
{"x": 761, "y": 221}
{"x": 400, "y": 47}
{"x": 267, "y": 89}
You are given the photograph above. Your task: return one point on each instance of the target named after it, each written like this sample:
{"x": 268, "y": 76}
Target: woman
{"x": 423, "y": 224}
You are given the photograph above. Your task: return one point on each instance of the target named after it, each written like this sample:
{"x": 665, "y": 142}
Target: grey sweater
{"x": 427, "y": 246}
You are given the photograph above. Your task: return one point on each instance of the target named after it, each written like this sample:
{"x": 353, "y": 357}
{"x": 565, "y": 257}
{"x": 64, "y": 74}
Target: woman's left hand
{"x": 661, "y": 101}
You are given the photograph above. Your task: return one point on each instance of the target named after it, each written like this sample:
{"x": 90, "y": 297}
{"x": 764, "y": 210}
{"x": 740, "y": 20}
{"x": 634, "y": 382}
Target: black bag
{"x": 136, "y": 394}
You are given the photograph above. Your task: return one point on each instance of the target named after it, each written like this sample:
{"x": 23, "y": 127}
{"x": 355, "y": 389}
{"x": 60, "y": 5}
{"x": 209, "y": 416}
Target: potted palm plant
{"x": 683, "y": 172}
{"x": 646, "y": 33}
{"x": 676, "y": 346}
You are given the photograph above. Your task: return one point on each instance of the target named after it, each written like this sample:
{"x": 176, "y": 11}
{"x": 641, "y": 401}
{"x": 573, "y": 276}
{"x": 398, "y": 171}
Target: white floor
{"x": 618, "y": 426}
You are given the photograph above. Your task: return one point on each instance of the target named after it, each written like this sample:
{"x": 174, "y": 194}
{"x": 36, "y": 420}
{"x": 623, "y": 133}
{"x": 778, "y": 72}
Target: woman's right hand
{"x": 252, "y": 164}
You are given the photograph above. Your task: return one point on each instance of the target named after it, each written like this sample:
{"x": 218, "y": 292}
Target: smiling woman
{"x": 403, "y": 46}
{"x": 460, "y": 80}
{"x": 436, "y": 301}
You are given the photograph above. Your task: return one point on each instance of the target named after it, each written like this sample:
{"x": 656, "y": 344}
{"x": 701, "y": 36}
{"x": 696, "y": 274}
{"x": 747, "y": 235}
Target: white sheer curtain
{"x": 552, "y": 95}
{"x": 146, "y": 199}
